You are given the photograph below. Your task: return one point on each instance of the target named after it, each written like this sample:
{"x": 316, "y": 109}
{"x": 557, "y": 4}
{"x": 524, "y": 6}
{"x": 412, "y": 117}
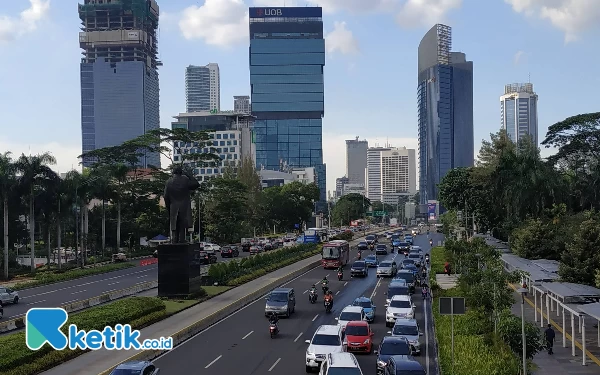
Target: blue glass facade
{"x": 287, "y": 56}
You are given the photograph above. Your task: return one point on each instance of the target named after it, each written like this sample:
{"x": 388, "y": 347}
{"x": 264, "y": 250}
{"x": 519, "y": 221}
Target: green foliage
{"x": 346, "y": 236}
{"x": 581, "y": 259}
{"x": 510, "y": 331}
{"x": 349, "y": 207}
{"x": 17, "y": 359}
{"x": 450, "y": 221}
{"x": 539, "y": 239}
{"x": 50, "y": 277}
{"x": 226, "y": 209}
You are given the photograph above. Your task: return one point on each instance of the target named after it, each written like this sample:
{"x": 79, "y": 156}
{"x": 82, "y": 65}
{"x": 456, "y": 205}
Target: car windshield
{"x": 405, "y": 244}
{"x": 362, "y": 244}
{"x": 357, "y": 331}
{"x": 330, "y": 340}
{"x": 361, "y": 303}
{"x": 348, "y": 316}
{"x": 385, "y": 264}
{"x": 408, "y": 261}
{"x": 381, "y": 246}
{"x": 126, "y": 372}
{"x": 331, "y": 252}
{"x": 394, "y": 348}
{"x": 400, "y": 304}
{"x": 398, "y": 291}
{"x": 278, "y": 297}
{"x": 343, "y": 371}
{"x": 370, "y": 238}
{"x": 409, "y": 277}
{"x": 371, "y": 257}
{"x": 400, "y": 329}
{"x": 358, "y": 265}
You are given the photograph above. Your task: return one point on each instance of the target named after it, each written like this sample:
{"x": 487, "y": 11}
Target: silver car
{"x": 281, "y": 301}
{"x": 8, "y": 296}
{"x": 408, "y": 328}
{"x": 387, "y": 269}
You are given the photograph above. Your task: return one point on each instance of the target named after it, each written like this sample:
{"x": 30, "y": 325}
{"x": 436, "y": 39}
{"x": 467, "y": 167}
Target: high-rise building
{"x": 241, "y": 104}
{"x": 445, "y": 110}
{"x": 119, "y": 74}
{"x": 203, "y": 88}
{"x": 391, "y": 173}
{"x": 356, "y": 160}
{"x": 339, "y": 185}
{"x": 518, "y": 112}
{"x": 287, "y": 56}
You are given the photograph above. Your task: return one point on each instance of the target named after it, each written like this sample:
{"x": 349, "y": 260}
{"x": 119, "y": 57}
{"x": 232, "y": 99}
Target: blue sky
{"x": 370, "y": 74}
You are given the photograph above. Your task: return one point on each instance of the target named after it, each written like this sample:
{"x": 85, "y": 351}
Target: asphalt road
{"x": 241, "y": 343}
{"x": 59, "y": 294}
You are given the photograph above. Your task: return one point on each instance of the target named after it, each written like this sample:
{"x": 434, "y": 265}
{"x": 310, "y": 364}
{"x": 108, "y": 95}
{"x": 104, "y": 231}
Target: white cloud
{"x": 65, "y": 154}
{"x": 417, "y": 13}
{"x": 519, "y": 57}
{"x": 220, "y": 23}
{"x": 573, "y": 17}
{"x": 355, "y": 6}
{"x": 276, "y": 3}
{"x": 13, "y": 27}
{"x": 341, "y": 40}
{"x": 334, "y": 152}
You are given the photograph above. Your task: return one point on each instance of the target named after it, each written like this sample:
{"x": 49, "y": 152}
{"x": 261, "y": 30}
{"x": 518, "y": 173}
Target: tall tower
{"x": 356, "y": 160}
{"x": 203, "y": 88}
{"x": 287, "y": 56}
{"x": 445, "y": 110}
{"x": 518, "y": 112}
{"x": 241, "y": 103}
{"x": 119, "y": 73}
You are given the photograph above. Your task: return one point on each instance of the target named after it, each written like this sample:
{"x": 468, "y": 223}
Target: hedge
{"x": 237, "y": 272}
{"x": 17, "y": 359}
{"x": 51, "y": 277}
{"x": 346, "y": 236}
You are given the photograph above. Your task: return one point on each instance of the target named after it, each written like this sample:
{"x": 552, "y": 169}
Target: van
{"x": 281, "y": 301}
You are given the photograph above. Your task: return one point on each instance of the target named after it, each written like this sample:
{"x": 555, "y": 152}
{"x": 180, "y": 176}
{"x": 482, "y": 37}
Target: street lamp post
{"x": 523, "y": 292}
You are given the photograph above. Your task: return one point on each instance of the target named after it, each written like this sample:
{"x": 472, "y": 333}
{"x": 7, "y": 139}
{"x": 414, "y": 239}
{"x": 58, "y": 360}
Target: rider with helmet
{"x": 328, "y": 297}
{"x": 273, "y": 318}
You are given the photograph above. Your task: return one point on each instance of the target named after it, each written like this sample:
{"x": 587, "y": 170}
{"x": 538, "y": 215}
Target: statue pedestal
{"x": 178, "y": 270}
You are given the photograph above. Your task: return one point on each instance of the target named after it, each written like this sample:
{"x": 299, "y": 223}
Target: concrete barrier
{"x": 18, "y": 323}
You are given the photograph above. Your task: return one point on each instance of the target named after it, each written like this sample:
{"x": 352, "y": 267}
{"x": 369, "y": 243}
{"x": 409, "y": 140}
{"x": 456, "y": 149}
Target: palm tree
{"x": 102, "y": 189}
{"x": 33, "y": 169}
{"x": 46, "y": 204}
{"x": 7, "y": 182}
{"x": 119, "y": 182}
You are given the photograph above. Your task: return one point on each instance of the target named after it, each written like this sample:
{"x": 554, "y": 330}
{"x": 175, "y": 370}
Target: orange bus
{"x": 335, "y": 253}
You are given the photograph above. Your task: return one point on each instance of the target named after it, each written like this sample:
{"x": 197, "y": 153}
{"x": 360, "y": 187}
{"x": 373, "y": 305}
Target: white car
{"x": 211, "y": 248}
{"x": 326, "y": 340}
{"x": 416, "y": 248}
{"x": 340, "y": 363}
{"x": 350, "y": 314}
{"x": 400, "y": 307}
{"x": 8, "y": 296}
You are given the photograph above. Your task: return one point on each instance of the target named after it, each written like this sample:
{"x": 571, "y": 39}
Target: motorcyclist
{"x": 313, "y": 288}
{"x": 328, "y": 297}
{"x": 430, "y": 242}
{"x": 359, "y": 255}
{"x": 425, "y": 290}
{"x": 273, "y": 318}
{"x": 325, "y": 282}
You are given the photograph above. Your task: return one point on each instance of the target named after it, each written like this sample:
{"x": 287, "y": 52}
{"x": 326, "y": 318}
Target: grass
{"x": 174, "y": 306}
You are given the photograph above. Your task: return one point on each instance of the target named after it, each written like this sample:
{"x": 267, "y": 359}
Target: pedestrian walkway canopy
{"x": 573, "y": 293}
{"x": 593, "y": 310}
{"x": 537, "y": 271}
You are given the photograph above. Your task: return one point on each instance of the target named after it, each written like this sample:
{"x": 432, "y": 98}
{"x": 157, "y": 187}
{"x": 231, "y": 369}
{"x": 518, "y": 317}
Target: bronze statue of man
{"x": 179, "y": 204}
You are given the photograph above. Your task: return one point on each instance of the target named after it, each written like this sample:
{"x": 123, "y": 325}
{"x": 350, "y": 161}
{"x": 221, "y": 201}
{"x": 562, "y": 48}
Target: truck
{"x": 393, "y": 222}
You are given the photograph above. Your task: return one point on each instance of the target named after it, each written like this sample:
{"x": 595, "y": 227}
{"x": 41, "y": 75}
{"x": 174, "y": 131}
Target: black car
{"x": 381, "y": 249}
{"x": 363, "y": 246}
{"x": 1, "y": 311}
{"x": 230, "y": 251}
{"x": 403, "y": 246}
{"x": 403, "y": 364}
{"x": 246, "y": 247}
{"x": 359, "y": 268}
{"x": 206, "y": 258}
{"x": 392, "y": 346}
{"x": 371, "y": 239}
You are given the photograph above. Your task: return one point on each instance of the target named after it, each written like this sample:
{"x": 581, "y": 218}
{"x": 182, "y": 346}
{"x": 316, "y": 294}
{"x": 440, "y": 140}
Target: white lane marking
{"x": 305, "y": 291}
{"x": 33, "y": 303}
{"x": 346, "y": 283}
{"x": 297, "y": 338}
{"x": 315, "y": 318}
{"x": 376, "y": 286}
{"x": 426, "y": 337}
{"x": 248, "y": 334}
{"x": 213, "y": 362}
{"x": 71, "y": 301}
{"x": 274, "y": 364}
{"x": 113, "y": 283}
{"x": 81, "y": 291}
{"x": 327, "y": 275}
{"x": 338, "y": 292}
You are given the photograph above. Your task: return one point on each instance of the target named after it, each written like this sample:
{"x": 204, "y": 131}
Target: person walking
{"x": 549, "y": 335}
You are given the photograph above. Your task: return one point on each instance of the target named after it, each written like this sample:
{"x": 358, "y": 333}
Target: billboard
{"x": 431, "y": 211}
{"x": 297, "y": 12}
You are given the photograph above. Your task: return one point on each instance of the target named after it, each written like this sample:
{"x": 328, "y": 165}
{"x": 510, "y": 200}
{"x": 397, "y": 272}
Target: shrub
{"x": 17, "y": 359}
{"x": 346, "y": 236}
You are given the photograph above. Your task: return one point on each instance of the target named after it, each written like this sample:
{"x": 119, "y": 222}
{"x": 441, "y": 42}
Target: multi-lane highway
{"x": 241, "y": 343}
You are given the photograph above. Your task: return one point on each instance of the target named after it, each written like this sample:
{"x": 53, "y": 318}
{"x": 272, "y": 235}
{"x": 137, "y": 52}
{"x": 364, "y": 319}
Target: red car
{"x": 359, "y": 337}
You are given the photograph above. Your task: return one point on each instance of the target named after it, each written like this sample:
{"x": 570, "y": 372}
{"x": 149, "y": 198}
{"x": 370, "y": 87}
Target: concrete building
{"x": 287, "y": 56}
{"x": 271, "y": 178}
{"x": 353, "y": 189}
{"x": 390, "y": 174}
{"x": 119, "y": 74}
{"x": 518, "y": 112}
{"x": 241, "y": 104}
{"x": 356, "y": 160}
{"x": 339, "y": 185}
{"x": 445, "y": 110}
{"x": 203, "y": 88}
{"x": 410, "y": 210}
{"x": 231, "y": 137}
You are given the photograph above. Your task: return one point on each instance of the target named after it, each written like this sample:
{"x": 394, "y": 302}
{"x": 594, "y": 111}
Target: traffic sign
{"x": 380, "y": 213}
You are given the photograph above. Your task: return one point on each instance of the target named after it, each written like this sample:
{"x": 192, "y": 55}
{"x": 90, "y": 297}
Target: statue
{"x": 179, "y": 204}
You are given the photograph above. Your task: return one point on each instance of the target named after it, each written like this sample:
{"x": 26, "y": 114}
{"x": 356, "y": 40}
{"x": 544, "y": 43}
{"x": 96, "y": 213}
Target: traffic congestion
{"x": 366, "y": 311}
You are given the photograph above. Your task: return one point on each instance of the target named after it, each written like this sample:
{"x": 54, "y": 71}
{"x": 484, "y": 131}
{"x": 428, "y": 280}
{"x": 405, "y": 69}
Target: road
{"x": 241, "y": 343}
{"x": 59, "y": 294}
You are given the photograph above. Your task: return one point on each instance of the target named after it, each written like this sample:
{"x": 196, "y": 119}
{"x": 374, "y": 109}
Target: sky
{"x": 370, "y": 71}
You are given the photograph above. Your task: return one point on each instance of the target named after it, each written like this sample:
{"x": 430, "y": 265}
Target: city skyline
{"x": 354, "y": 100}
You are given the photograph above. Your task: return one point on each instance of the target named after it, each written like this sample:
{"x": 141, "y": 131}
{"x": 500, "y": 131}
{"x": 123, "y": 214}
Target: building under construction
{"x": 119, "y": 73}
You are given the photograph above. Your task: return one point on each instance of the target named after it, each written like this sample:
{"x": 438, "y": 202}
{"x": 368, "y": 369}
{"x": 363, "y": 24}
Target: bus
{"x": 315, "y": 235}
{"x": 335, "y": 254}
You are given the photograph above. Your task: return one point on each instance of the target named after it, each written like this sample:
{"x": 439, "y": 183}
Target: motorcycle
{"x": 328, "y": 306}
{"x": 312, "y": 296}
{"x": 340, "y": 275}
{"x": 273, "y": 329}
{"x": 359, "y": 255}
{"x": 405, "y": 253}
{"x": 371, "y": 247}
{"x": 325, "y": 288}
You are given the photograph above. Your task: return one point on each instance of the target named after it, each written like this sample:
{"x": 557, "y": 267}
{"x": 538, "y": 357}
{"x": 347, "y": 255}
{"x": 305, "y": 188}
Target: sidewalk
{"x": 562, "y": 362}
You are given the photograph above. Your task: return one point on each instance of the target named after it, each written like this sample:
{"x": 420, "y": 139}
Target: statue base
{"x": 178, "y": 270}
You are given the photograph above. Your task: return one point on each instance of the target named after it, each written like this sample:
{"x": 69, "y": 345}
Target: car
{"x": 409, "y": 277}
{"x": 402, "y": 365}
{"x": 230, "y": 251}
{"x": 371, "y": 261}
{"x": 418, "y": 258}
{"x": 136, "y": 367}
{"x": 359, "y": 337}
{"x": 414, "y": 269}
{"x": 388, "y": 235}
{"x": 210, "y": 248}
{"x": 349, "y": 314}
{"x": 368, "y": 306}
{"x": 256, "y": 249}
{"x": 408, "y": 328}
{"x": 387, "y": 268}
{"x": 363, "y": 246}
{"x": 396, "y": 241}
{"x": 8, "y": 295}
{"x": 406, "y": 261}
{"x": 391, "y": 346}
{"x": 205, "y": 258}
{"x": 400, "y": 306}
{"x": 340, "y": 363}
{"x": 371, "y": 239}
{"x": 359, "y": 268}
{"x": 1, "y": 311}
{"x": 408, "y": 239}
{"x": 381, "y": 249}
{"x": 396, "y": 289}
{"x": 326, "y": 340}
{"x": 403, "y": 246}
{"x": 416, "y": 248}
{"x": 281, "y": 301}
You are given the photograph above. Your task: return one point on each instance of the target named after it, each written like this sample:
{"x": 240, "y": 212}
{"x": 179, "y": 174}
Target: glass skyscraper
{"x": 445, "y": 110}
{"x": 119, "y": 74}
{"x": 287, "y": 56}
{"x": 518, "y": 112}
{"x": 203, "y": 88}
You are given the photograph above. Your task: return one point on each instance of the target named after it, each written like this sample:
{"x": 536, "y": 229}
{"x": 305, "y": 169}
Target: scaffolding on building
{"x": 444, "y": 43}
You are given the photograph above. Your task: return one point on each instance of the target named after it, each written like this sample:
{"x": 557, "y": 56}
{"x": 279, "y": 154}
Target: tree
{"x": 581, "y": 259}
{"x": 350, "y": 207}
{"x": 450, "y": 222}
{"x": 539, "y": 239}
{"x": 226, "y": 208}
{"x": 7, "y": 183}
{"x": 510, "y": 331}
{"x": 455, "y": 188}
